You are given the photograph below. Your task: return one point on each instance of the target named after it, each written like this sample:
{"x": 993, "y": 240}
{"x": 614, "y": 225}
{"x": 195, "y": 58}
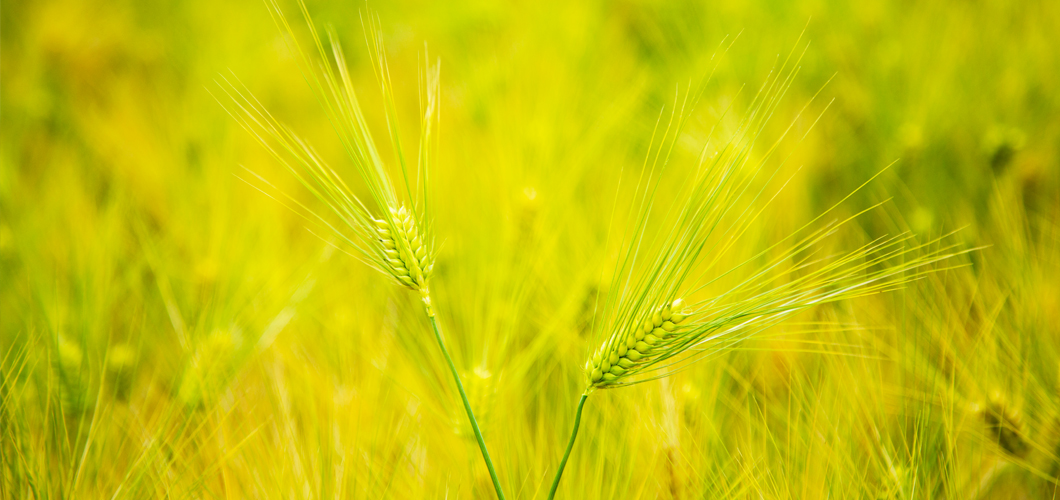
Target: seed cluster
{"x": 644, "y": 339}
{"x": 405, "y": 251}
{"x": 1005, "y": 425}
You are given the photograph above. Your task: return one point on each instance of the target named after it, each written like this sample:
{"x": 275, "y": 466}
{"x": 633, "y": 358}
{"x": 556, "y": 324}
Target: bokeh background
{"x": 167, "y": 330}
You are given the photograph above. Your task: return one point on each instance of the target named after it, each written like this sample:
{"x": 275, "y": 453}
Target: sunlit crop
{"x": 627, "y": 249}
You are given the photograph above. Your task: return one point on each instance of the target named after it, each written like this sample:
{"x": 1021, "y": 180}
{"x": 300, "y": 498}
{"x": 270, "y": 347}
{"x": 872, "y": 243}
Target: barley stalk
{"x": 570, "y": 446}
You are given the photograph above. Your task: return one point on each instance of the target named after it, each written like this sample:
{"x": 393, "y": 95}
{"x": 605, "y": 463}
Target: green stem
{"x": 467, "y": 405}
{"x": 570, "y": 446}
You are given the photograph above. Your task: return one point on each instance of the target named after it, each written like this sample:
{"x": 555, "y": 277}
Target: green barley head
{"x": 655, "y": 319}
{"x": 391, "y": 230}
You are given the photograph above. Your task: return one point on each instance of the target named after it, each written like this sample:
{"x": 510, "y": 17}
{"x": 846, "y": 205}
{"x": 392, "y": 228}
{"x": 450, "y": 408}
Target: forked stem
{"x": 467, "y": 405}
{"x": 570, "y": 446}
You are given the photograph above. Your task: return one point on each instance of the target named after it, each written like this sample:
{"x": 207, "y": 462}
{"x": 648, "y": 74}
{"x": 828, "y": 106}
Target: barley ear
{"x": 404, "y": 250}
{"x": 644, "y": 342}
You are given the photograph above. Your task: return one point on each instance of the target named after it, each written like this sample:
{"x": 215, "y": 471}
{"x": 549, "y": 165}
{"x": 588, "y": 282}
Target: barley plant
{"x": 395, "y": 234}
{"x": 657, "y": 318}
{"x": 679, "y": 249}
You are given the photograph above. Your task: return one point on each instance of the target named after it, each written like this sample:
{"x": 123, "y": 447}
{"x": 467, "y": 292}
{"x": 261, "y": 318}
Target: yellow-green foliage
{"x": 170, "y": 328}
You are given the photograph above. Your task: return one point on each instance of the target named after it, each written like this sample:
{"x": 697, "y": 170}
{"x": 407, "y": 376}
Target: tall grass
{"x": 166, "y": 330}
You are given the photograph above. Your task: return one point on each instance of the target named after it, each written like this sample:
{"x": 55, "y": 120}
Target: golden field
{"x": 170, "y": 328}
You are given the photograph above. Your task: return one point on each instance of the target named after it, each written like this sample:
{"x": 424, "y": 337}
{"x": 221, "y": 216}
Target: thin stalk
{"x": 467, "y": 405}
{"x": 570, "y": 446}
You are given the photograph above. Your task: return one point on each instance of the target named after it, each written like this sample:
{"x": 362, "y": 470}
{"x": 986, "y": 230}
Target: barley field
{"x": 603, "y": 249}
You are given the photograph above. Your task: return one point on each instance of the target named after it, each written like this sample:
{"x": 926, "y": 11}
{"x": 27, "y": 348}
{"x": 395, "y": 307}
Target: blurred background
{"x": 167, "y": 330}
